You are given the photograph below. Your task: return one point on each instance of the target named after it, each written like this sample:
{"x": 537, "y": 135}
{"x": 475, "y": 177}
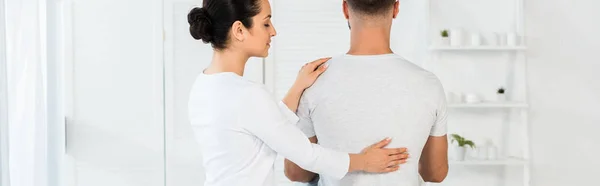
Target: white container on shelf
{"x": 472, "y": 98}
{"x": 492, "y": 151}
{"x": 475, "y": 39}
{"x": 482, "y": 152}
{"x": 492, "y": 39}
{"x": 456, "y": 37}
{"x": 452, "y": 97}
{"x": 502, "y": 39}
{"x": 512, "y": 39}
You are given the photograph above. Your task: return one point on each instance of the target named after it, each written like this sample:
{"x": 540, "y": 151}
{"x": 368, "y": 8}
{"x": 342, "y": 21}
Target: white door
{"x": 115, "y": 128}
{"x": 185, "y": 58}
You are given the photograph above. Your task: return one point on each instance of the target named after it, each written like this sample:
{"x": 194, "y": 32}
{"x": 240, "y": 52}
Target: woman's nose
{"x": 273, "y": 32}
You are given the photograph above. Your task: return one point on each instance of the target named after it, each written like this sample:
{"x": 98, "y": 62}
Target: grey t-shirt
{"x": 361, "y": 100}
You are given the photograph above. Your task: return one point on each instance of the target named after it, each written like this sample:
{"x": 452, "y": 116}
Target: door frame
{"x": 57, "y": 43}
{"x": 68, "y": 166}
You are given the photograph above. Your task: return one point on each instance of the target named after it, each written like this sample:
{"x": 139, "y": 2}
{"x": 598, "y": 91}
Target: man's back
{"x": 363, "y": 99}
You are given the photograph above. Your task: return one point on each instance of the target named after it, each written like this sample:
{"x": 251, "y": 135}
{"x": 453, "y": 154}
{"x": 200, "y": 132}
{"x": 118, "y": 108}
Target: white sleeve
{"x": 288, "y": 114}
{"x": 262, "y": 117}
{"x": 305, "y": 124}
{"x": 440, "y": 126}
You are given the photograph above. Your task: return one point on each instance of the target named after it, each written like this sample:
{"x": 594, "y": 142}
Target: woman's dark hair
{"x": 212, "y": 22}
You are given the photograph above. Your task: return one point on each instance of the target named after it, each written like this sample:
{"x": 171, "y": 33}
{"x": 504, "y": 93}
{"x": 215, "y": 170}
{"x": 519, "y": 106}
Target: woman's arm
{"x": 292, "y": 98}
{"x": 295, "y": 173}
{"x": 306, "y": 77}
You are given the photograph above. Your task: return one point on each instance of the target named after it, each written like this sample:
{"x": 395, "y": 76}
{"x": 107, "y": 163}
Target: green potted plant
{"x": 501, "y": 94}
{"x": 461, "y": 149}
{"x": 445, "y": 37}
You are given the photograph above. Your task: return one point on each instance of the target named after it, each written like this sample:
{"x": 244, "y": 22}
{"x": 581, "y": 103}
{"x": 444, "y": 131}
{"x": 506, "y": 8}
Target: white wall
{"x": 115, "y": 133}
{"x": 565, "y": 92}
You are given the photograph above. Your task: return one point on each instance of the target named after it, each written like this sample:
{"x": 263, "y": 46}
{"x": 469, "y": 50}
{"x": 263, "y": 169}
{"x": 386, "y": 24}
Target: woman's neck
{"x": 227, "y": 61}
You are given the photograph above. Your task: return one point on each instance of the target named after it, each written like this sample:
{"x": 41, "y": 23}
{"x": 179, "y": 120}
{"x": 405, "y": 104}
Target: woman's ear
{"x": 396, "y": 9}
{"x": 346, "y": 11}
{"x": 237, "y": 31}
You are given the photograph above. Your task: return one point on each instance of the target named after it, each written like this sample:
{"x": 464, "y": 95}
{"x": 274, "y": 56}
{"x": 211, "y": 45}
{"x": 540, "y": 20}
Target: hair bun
{"x": 200, "y": 25}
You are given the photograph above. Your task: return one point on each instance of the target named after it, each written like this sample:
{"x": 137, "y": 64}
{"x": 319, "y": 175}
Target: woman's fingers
{"x": 394, "y": 151}
{"x": 393, "y": 166}
{"x": 399, "y": 156}
{"x": 396, "y": 163}
{"x": 320, "y": 70}
{"x": 390, "y": 169}
{"x": 309, "y": 73}
{"x": 381, "y": 143}
{"x": 384, "y": 159}
{"x": 319, "y": 61}
{"x": 312, "y": 66}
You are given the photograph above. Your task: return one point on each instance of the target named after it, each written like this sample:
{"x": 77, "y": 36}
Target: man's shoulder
{"x": 387, "y": 61}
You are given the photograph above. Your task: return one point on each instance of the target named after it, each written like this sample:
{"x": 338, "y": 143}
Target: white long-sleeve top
{"x": 241, "y": 128}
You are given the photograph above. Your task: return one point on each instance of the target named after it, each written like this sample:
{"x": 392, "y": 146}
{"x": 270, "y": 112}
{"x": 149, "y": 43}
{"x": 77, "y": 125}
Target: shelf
{"x": 511, "y": 161}
{"x": 489, "y": 105}
{"x": 478, "y": 48}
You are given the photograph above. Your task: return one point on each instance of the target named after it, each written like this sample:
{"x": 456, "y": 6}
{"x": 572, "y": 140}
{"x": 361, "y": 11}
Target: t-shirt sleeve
{"x": 305, "y": 123}
{"x": 261, "y": 116}
{"x": 439, "y": 127}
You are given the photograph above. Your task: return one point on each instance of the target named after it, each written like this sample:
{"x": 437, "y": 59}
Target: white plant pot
{"x": 501, "y": 97}
{"x": 445, "y": 41}
{"x": 460, "y": 153}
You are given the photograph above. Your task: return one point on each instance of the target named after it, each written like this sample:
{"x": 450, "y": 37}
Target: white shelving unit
{"x": 510, "y": 161}
{"x": 490, "y": 105}
{"x": 478, "y": 48}
{"x": 516, "y": 55}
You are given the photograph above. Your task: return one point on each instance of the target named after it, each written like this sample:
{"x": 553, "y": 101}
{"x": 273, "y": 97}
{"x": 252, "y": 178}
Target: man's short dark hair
{"x": 371, "y": 7}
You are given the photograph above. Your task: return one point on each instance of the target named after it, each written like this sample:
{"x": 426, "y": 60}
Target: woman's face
{"x": 259, "y": 40}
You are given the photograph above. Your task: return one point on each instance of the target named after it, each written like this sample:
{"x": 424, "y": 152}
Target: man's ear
{"x": 345, "y": 8}
{"x": 237, "y": 31}
{"x": 396, "y": 9}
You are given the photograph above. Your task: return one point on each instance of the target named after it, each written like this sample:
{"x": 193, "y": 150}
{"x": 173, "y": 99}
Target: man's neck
{"x": 370, "y": 41}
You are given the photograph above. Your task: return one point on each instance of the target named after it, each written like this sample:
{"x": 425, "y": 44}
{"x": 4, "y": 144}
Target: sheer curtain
{"x": 3, "y": 101}
{"x": 26, "y": 92}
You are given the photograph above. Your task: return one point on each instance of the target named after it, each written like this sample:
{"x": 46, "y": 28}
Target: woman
{"x": 239, "y": 124}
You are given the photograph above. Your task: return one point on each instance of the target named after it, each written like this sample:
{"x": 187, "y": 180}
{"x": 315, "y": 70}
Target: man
{"x": 370, "y": 94}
